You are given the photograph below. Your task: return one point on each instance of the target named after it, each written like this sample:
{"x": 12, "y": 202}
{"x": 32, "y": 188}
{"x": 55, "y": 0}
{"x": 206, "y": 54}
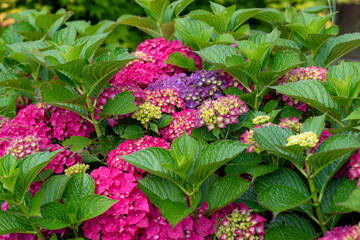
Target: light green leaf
{"x": 13, "y": 223}
{"x": 22, "y": 84}
{"x": 123, "y": 103}
{"x": 342, "y": 193}
{"x": 312, "y": 92}
{"x": 213, "y": 157}
{"x": 36, "y": 204}
{"x": 314, "y": 124}
{"x": 224, "y": 191}
{"x": 92, "y": 206}
{"x": 65, "y": 36}
{"x": 54, "y": 216}
{"x": 179, "y": 60}
{"x": 158, "y": 189}
{"x": 143, "y": 23}
{"x": 76, "y": 143}
{"x": 280, "y": 198}
{"x": 78, "y": 186}
{"x": 133, "y": 132}
{"x": 54, "y": 188}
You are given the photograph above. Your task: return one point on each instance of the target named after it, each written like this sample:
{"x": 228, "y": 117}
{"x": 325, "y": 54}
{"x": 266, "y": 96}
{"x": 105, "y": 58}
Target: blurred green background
{"x": 98, "y": 10}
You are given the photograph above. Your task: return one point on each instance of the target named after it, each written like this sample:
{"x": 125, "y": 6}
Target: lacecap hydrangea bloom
{"x": 184, "y": 120}
{"x": 298, "y": 74}
{"x": 306, "y": 139}
{"x": 241, "y": 224}
{"x": 221, "y": 112}
{"x": 76, "y": 169}
{"x": 293, "y": 124}
{"x": 343, "y": 233}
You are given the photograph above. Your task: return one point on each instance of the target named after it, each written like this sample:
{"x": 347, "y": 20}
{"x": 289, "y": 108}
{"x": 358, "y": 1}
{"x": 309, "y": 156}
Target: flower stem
{"x": 315, "y": 198}
{"x": 36, "y": 228}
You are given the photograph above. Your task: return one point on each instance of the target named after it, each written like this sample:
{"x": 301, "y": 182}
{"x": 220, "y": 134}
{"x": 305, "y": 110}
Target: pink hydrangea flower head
{"x": 298, "y": 74}
{"x": 139, "y": 73}
{"x": 18, "y": 236}
{"x": 167, "y": 99}
{"x": 242, "y": 224}
{"x": 130, "y": 146}
{"x": 4, "y": 121}
{"x": 125, "y": 218}
{"x": 184, "y": 120}
{"x": 23, "y": 147}
{"x": 354, "y": 167}
{"x": 159, "y": 50}
{"x": 66, "y": 124}
{"x": 343, "y": 233}
{"x": 110, "y": 93}
{"x": 292, "y": 124}
{"x": 221, "y": 112}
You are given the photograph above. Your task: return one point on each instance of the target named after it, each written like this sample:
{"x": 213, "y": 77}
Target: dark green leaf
{"x": 92, "y": 206}
{"x": 13, "y": 223}
{"x": 123, "y": 103}
{"x": 54, "y": 188}
{"x": 76, "y": 143}
{"x": 54, "y": 216}
{"x": 78, "y": 186}
{"x": 133, "y": 132}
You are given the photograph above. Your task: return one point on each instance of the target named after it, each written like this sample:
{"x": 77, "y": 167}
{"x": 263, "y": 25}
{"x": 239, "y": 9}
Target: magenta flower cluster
{"x": 343, "y": 233}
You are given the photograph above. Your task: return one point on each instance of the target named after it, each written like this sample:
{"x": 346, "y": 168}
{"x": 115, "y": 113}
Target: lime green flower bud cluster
{"x": 147, "y": 111}
{"x": 76, "y": 168}
{"x": 306, "y": 139}
{"x": 261, "y": 119}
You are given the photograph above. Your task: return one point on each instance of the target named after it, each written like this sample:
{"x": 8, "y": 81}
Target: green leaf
{"x": 65, "y": 36}
{"x": 213, "y": 157}
{"x": 312, "y": 92}
{"x": 353, "y": 202}
{"x": 123, "y": 103}
{"x": 164, "y": 121}
{"x": 30, "y": 167}
{"x": 154, "y": 127}
{"x": 262, "y": 170}
{"x": 78, "y": 186}
{"x": 70, "y": 71}
{"x": 152, "y": 160}
{"x": 355, "y": 115}
{"x": 54, "y": 216}
{"x": 336, "y": 48}
{"x": 280, "y": 198}
{"x": 13, "y": 223}
{"x": 92, "y": 43}
{"x": 203, "y": 133}
{"x": 242, "y": 163}
{"x": 174, "y": 212}
{"x": 183, "y": 149}
{"x": 179, "y": 60}
{"x": 294, "y": 221}
{"x": 272, "y": 16}
{"x": 96, "y": 75}
{"x": 342, "y": 193}
{"x": 7, "y": 171}
{"x": 314, "y": 124}
{"x": 287, "y": 232}
{"x": 133, "y": 132}
{"x": 272, "y": 138}
{"x": 249, "y": 198}
{"x": 332, "y": 149}
{"x": 224, "y": 191}
{"x": 240, "y": 16}
{"x": 76, "y": 143}
{"x": 92, "y": 206}
{"x": 158, "y": 189}
{"x": 88, "y": 158}
{"x": 36, "y": 204}
{"x": 143, "y": 23}
{"x": 22, "y": 84}
{"x": 54, "y": 188}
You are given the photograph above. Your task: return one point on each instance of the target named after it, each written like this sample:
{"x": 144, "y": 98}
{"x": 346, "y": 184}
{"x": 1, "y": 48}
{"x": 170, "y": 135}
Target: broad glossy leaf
{"x": 78, "y": 186}
{"x": 314, "y": 124}
{"x": 242, "y": 163}
{"x": 337, "y": 47}
{"x": 312, "y": 92}
{"x": 65, "y": 36}
{"x": 92, "y": 206}
{"x": 36, "y": 204}
{"x": 286, "y": 233}
{"x": 143, "y": 23}
{"x": 280, "y": 198}
{"x": 353, "y": 202}
{"x": 177, "y": 59}
{"x": 262, "y": 170}
{"x": 122, "y": 103}
{"x": 158, "y": 189}
{"x": 224, "y": 191}
{"x": 270, "y": 15}
{"x": 76, "y": 143}
{"x": 342, "y": 193}
{"x": 22, "y": 84}
{"x": 213, "y": 157}
{"x": 54, "y": 188}
{"x": 54, "y": 216}
{"x": 31, "y": 166}
{"x": 203, "y": 133}
{"x": 294, "y": 221}
{"x": 249, "y": 198}
{"x": 174, "y": 212}
{"x": 13, "y": 223}
{"x": 133, "y": 132}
